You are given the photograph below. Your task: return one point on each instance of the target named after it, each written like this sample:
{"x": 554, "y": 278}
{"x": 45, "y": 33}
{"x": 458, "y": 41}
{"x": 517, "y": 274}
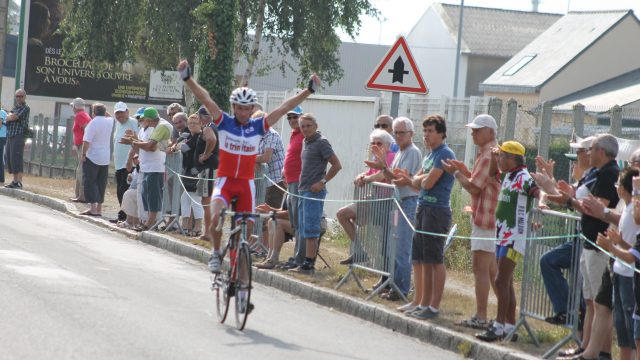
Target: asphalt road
{"x": 72, "y": 290}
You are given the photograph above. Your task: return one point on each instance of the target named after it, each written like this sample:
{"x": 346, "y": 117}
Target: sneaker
{"x": 474, "y": 323}
{"x": 267, "y": 264}
{"x": 569, "y": 353}
{"x": 12, "y": 185}
{"x": 490, "y": 335}
{"x": 423, "y": 314}
{"x": 215, "y": 263}
{"x": 347, "y": 261}
{"x": 557, "y": 319}
{"x": 18, "y": 185}
{"x": 289, "y": 265}
{"x": 306, "y": 268}
{"x": 406, "y": 308}
{"x": 391, "y": 295}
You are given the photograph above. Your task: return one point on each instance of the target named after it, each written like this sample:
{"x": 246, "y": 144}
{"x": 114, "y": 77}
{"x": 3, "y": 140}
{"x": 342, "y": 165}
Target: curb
{"x": 441, "y": 337}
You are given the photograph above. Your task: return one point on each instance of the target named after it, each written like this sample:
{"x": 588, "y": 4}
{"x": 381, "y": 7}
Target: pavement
{"x": 441, "y": 337}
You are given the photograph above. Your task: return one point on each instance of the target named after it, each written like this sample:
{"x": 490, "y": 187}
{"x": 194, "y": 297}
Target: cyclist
{"x": 239, "y": 136}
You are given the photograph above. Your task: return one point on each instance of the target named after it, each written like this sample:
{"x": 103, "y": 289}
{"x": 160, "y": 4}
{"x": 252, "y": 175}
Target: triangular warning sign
{"x": 397, "y": 72}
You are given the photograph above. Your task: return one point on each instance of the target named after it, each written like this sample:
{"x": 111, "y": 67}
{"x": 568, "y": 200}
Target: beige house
{"x": 580, "y": 50}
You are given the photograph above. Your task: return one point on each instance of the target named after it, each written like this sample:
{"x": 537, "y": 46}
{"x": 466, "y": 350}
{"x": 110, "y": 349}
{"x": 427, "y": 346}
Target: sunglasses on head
{"x": 378, "y": 126}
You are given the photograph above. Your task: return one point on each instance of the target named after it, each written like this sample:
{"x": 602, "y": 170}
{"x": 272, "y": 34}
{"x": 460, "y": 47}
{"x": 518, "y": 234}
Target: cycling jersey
{"x": 239, "y": 145}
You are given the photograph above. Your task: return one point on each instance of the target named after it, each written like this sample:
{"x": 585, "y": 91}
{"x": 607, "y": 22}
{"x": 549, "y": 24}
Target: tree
{"x": 163, "y": 31}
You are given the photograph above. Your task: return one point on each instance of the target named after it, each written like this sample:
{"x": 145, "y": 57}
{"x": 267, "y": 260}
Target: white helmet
{"x": 243, "y": 96}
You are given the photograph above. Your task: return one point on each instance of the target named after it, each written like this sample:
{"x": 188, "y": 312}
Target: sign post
{"x": 397, "y": 72}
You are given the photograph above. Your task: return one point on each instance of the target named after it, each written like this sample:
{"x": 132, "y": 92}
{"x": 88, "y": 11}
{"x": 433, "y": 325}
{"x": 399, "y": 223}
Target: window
{"x": 519, "y": 65}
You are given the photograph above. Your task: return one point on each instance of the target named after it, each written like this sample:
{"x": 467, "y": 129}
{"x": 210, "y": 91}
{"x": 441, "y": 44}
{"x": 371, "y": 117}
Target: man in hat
{"x": 121, "y": 152}
{"x": 80, "y": 121}
{"x": 512, "y": 213}
{"x": 152, "y": 157}
{"x": 481, "y": 183}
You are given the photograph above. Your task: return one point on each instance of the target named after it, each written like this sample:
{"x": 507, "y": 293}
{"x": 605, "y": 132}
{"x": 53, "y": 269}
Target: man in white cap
{"x": 80, "y": 121}
{"x": 481, "y": 182}
{"x": 121, "y": 152}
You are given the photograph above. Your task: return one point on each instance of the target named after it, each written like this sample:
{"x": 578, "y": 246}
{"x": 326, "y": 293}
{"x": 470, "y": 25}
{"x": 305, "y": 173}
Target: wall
{"x": 478, "y": 69}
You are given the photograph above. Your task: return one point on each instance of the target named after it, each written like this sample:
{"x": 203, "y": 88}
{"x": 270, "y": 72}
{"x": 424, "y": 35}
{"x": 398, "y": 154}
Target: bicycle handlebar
{"x": 243, "y": 215}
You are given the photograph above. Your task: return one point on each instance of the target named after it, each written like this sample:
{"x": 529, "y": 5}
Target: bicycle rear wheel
{"x": 221, "y": 288}
{"x": 243, "y": 286}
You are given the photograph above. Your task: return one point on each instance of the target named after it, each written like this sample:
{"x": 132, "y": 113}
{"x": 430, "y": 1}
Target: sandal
{"x": 141, "y": 228}
{"x": 195, "y": 233}
{"x": 89, "y": 213}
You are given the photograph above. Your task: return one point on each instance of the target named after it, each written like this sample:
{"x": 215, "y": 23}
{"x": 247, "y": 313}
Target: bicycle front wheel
{"x": 221, "y": 289}
{"x": 243, "y": 286}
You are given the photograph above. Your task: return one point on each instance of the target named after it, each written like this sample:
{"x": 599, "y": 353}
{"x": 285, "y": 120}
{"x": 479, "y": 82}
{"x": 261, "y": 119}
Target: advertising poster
{"x": 48, "y": 74}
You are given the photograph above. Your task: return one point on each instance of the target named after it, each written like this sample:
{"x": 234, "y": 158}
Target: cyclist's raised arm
{"x": 198, "y": 91}
{"x": 294, "y": 101}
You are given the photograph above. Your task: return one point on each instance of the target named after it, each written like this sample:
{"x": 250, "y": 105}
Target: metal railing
{"x": 535, "y": 302}
{"x": 373, "y": 249}
{"x": 171, "y": 194}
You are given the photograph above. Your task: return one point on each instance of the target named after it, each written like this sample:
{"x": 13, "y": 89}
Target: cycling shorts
{"x": 242, "y": 189}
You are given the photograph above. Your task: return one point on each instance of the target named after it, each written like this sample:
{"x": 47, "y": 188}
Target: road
{"x": 73, "y": 290}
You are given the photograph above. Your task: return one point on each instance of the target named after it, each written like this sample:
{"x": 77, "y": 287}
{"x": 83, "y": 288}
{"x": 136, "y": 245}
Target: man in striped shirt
{"x": 483, "y": 185}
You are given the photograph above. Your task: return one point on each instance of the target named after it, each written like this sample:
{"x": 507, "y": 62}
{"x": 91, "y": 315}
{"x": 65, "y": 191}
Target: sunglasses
{"x": 291, "y": 117}
{"x": 376, "y": 143}
{"x": 19, "y": 96}
{"x": 378, "y": 126}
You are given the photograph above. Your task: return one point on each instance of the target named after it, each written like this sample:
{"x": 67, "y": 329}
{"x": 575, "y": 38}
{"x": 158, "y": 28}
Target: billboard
{"x": 44, "y": 72}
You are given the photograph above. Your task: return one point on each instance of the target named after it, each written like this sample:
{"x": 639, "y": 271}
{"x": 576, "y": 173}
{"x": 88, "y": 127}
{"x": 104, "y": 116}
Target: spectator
{"x": 3, "y": 141}
{"x": 434, "y": 216}
{"x": 271, "y": 152}
{"x": 172, "y": 110}
{"x": 209, "y": 158}
{"x": 130, "y": 204}
{"x": 179, "y": 121}
{"x": 80, "y": 121}
{"x": 483, "y": 186}
{"x": 346, "y": 216}
{"x": 555, "y": 260}
{"x": 152, "y": 153}
{"x": 512, "y": 213}
{"x": 316, "y": 153}
{"x": 121, "y": 152}
{"x": 384, "y": 122}
{"x": 96, "y": 153}
{"x": 17, "y": 123}
{"x": 600, "y": 183}
{"x": 291, "y": 171}
{"x": 190, "y": 201}
{"x": 407, "y": 164}
{"x": 277, "y": 233}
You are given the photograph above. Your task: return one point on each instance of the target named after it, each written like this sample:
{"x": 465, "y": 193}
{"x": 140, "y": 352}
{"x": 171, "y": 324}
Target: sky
{"x": 399, "y": 16}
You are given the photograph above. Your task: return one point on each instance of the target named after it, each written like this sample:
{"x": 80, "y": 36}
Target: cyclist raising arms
{"x": 239, "y": 136}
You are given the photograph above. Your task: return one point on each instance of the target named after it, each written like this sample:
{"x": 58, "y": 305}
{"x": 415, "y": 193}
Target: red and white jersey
{"x": 239, "y": 145}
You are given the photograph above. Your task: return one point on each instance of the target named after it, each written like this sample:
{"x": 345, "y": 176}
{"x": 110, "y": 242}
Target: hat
{"x": 482, "y": 121}
{"x": 139, "y": 112}
{"x": 77, "y": 103}
{"x": 296, "y": 110}
{"x": 512, "y": 147}
{"x": 582, "y": 143}
{"x": 120, "y": 106}
{"x": 151, "y": 113}
{"x": 203, "y": 111}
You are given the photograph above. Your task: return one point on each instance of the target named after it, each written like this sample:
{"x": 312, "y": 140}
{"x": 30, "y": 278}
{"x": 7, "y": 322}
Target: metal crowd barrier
{"x": 261, "y": 184}
{"x": 171, "y": 194}
{"x": 535, "y": 302}
{"x": 373, "y": 248}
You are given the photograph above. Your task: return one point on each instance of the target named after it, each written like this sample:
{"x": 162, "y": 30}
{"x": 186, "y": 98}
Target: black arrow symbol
{"x": 398, "y": 70}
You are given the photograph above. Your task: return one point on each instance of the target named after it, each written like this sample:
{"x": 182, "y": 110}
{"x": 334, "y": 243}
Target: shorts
{"x": 152, "y": 184}
{"x": 592, "y": 266}
{"x": 207, "y": 186}
{"x": 15, "y": 154}
{"x": 507, "y": 251}
{"x": 429, "y": 249}
{"x": 604, "y": 296}
{"x": 623, "y": 305}
{"x": 242, "y": 189}
{"x": 482, "y": 245}
{"x": 310, "y": 213}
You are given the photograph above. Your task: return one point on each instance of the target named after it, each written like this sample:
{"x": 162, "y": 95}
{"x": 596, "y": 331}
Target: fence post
{"x": 578, "y": 119}
{"x": 68, "y": 144}
{"x": 469, "y": 147}
{"x": 616, "y": 121}
{"x": 510, "y": 126}
{"x": 545, "y": 129}
{"x": 54, "y": 146}
{"x": 44, "y": 144}
{"x": 495, "y": 109}
{"x": 443, "y": 106}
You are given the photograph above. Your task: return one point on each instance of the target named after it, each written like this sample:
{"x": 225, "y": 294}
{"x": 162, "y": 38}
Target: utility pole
{"x": 455, "y": 77}
{"x": 4, "y": 13}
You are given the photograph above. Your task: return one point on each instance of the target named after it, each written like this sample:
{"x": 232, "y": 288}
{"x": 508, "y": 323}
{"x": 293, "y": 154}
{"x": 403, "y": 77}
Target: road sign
{"x": 397, "y": 72}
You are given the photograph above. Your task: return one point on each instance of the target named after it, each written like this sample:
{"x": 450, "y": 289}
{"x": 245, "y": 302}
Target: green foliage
{"x": 216, "y": 61}
{"x": 458, "y": 256}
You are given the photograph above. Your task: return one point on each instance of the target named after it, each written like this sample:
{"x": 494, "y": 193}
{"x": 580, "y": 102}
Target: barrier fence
{"x": 373, "y": 249}
{"x": 171, "y": 195}
{"x": 534, "y": 300}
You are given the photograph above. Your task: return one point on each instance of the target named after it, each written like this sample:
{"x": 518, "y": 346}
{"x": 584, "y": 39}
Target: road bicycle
{"x": 234, "y": 281}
